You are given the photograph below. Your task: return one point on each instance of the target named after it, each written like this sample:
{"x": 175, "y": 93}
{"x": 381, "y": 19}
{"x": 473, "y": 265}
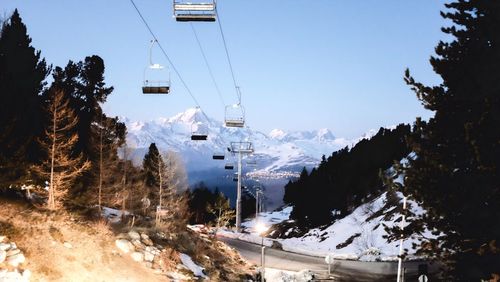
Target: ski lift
{"x": 252, "y": 163}
{"x": 195, "y": 11}
{"x": 235, "y": 116}
{"x": 156, "y": 76}
{"x": 218, "y": 156}
{"x": 199, "y": 132}
{"x": 229, "y": 166}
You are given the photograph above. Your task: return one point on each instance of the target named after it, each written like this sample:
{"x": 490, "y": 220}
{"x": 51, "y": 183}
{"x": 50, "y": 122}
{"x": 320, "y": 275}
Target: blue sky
{"x": 301, "y": 64}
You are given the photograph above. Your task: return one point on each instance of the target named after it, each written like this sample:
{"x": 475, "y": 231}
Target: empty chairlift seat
{"x": 199, "y": 132}
{"x": 218, "y": 156}
{"x": 156, "y": 76}
{"x": 195, "y": 11}
{"x": 235, "y": 116}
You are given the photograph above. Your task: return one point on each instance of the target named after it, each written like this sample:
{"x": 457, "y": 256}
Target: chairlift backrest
{"x": 195, "y": 11}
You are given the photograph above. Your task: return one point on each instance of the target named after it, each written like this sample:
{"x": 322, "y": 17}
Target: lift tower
{"x": 240, "y": 148}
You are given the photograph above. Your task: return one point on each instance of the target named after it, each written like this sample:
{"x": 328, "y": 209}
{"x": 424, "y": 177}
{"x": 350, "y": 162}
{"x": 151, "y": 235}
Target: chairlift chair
{"x": 218, "y": 156}
{"x": 229, "y": 166}
{"x": 156, "y": 77}
{"x": 235, "y": 116}
{"x": 198, "y": 132}
{"x": 195, "y": 11}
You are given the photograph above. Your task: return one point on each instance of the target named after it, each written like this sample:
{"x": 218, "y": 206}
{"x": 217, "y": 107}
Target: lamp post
{"x": 261, "y": 228}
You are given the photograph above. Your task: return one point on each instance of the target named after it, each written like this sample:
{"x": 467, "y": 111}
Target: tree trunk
{"x": 51, "y": 203}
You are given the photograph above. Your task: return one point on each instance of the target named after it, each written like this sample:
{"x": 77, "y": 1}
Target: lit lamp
{"x": 261, "y": 229}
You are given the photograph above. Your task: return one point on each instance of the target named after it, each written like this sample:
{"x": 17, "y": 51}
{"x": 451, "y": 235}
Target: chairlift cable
{"x": 207, "y": 64}
{"x": 236, "y": 87}
{"x": 168, "y": 58}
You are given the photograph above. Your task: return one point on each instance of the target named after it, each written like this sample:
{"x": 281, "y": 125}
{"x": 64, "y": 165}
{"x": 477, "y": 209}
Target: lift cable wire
{"x": 168, "y": 59}
{"x": 207, "y": 64}
{"x": 236, "y": 87}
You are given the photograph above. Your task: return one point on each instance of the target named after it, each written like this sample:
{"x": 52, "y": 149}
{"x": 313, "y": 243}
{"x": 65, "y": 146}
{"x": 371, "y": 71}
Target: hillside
{"x": 75, "y": 246}
{"x": 359, "y": 235}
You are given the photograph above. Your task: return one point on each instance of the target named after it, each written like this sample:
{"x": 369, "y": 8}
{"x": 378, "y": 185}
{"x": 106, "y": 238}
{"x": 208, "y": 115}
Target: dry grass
{"x": 40, "y": 234}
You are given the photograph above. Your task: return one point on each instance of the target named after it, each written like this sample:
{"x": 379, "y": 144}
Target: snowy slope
{"x": 276, "y": 152}
{"x": 359, "y": 235}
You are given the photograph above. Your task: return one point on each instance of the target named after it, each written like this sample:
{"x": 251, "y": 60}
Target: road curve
{"x": 342, "y": 270}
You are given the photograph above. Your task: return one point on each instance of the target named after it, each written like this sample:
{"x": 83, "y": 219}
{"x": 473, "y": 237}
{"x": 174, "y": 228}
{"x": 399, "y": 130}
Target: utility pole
{"x": 240, "y": 148}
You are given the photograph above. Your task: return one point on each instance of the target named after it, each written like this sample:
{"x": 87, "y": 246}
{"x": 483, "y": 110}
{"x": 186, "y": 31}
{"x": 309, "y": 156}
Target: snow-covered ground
{"x": 189, "y": 263}
{"x": 278, "y": 275}
{"x": 364, "y": 228}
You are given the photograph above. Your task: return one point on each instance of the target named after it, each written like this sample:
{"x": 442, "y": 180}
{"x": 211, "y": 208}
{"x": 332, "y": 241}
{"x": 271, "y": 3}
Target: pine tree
{"x": 22, "y": 75}
{"x": 61, "y": 167}
{"x": 456, "y": 172}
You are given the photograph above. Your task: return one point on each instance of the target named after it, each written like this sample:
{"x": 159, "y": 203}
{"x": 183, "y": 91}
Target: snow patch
{"x": 189, "y": 263}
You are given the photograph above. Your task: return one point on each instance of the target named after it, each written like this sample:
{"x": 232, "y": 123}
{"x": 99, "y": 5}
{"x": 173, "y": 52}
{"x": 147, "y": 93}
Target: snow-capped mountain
{"x": 276, "y": 152}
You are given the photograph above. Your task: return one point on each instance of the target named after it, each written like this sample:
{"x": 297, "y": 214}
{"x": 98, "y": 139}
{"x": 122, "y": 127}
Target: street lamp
{"x": 261, "y": 228}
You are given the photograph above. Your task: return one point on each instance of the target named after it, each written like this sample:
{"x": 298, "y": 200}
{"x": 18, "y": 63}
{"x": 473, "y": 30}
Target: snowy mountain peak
{"x": 277, "y": 134}
{"x": 324, "y": 134}
{"x": 190, "y": 116}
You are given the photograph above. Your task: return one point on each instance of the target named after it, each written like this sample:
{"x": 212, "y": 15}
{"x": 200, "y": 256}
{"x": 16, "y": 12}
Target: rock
{"x": 137, "y": 256}
{"x": 3, "y": 238}
{"x": 10, "y": 276}
{"x": 138, "y": 245}
{"x": 12, "y": 252}
{"x": 16, "y": 260}
{"x": 68, "y": 245}
{"x": 27, "y": 275}
{"x": 149, "y": 256}
{"x": 4, "y": 246}
{"x": 146, "y": 240}
{"x": 3, "y": 255}
{"x": 134, "y": 235}
{"x": 124, "y": 245}
{"x": 148, "y": 264}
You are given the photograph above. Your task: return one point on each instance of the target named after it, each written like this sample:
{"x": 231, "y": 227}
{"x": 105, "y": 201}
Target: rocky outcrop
{"x": 11, "y": 261}
{"x": 141, "y": 249}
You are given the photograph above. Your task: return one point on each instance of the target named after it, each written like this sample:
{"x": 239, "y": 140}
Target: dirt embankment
{"x": 65, "y": 246}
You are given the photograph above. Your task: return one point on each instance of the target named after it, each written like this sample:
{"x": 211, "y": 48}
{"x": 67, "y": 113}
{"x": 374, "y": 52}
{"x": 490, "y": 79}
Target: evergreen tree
{"x": 22, "y": 75}
{"x": 456, "y": 172}
{"x": 150, "y": 166}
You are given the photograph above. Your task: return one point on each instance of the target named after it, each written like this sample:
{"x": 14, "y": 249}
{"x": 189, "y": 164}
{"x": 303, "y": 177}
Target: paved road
{"x": 344, "y": 270}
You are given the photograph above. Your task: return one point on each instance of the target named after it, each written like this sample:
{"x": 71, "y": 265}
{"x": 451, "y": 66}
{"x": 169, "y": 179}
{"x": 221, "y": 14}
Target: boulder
{"x": 4, "y": 246}
{"x": 149, "y": 256}
{"x": 68, "y": 245}
{"x": 27, "y": 275}
{"x": 3, "y": 255}
{"x": 148, "y": 264}
{"x": 134, "y": 235}
{"x": 146, "y": 240}
{"x": 138, "y": 245}
{"x": 3, "y": 238}
{"x": 124, "y": 245}
{"x": 137, "y": 256}
{"x": 12, "y": 252}
{"x": 16, "y": 259}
